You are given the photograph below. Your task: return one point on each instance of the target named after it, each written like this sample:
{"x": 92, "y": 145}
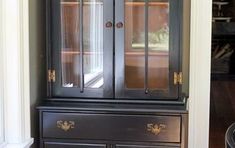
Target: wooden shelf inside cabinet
{"x": 220, "y": 3}
{"x": 72, "y": 3}
{"x": 149, "y": 3}
{"x": 127, "y": 3}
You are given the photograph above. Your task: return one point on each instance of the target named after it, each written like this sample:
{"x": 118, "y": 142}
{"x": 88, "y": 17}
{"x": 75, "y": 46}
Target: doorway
{"x": 222, "y": 100}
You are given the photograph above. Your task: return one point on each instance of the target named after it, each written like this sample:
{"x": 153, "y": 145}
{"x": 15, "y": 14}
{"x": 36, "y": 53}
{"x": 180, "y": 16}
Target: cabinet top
{"x": 115, "y": 108}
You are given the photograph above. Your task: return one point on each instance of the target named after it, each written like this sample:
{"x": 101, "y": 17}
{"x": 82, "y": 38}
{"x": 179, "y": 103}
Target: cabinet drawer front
{"x": 72, "y": 145}
{"x": 112, "y": 127}
{"x": 141, "y": 146}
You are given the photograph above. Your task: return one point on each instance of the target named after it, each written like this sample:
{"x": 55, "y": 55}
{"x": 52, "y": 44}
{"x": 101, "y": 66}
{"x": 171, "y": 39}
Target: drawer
{"x": 72, "y": 145}
{"x": 111, "y": 127}
{"x": 141, "y": 146}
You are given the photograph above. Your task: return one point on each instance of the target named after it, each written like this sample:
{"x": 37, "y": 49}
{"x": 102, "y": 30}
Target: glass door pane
{"x": 93, "y": 43}
{"x": 79, "y": 41}
{"x": 134, "y": 44}
{"x": 158, "y": 45}
{"x": 70, "y": 43}
{"x": 147, "y": 48}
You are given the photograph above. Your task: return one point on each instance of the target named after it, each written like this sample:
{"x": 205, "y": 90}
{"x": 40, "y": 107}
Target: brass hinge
{"x": 178, "y": 78}
{"x": 51, "y": 75}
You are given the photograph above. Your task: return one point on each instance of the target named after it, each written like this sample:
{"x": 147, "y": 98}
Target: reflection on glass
{"x": 134, "y": 44}
{"x": 158, "y": 43}
{"x": 70, "y": 43}
{"x": 93, "y": 43}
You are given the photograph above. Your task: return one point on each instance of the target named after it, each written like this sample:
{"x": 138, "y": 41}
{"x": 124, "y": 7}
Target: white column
{"x": 1, "y": 84}
{"x": 15, "y": 56}
{"x": 199, "y": 89}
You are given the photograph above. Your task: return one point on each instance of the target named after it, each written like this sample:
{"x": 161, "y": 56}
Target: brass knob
{"x": 109, "y": 24}
{"x": 119, "y": 25}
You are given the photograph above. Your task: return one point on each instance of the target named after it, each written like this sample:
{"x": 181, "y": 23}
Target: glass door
{"x": 82, "y": 47}
{"x": 147, "y": 36}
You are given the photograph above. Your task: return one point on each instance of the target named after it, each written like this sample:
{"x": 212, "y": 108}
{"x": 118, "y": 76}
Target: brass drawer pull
{"x": 155, "y": 128}
{"x": 65, "y": 125}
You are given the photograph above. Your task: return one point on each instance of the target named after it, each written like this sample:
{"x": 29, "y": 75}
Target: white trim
{"x": 1, "y": 80}
{"x": 15, "y": 32}
{"x": 25, "y": 76}
{"x": 199, "y": 89}
{"x": 11, "y": 68}
{"x": 3, "y": 145}
{"x": 25, "y": 144}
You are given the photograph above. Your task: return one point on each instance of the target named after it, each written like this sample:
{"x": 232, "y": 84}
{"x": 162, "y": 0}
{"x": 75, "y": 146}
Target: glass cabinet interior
{"x": 92, "y": 44}
{"x": 115, "y": 48}
{"x": 157, "y": 39}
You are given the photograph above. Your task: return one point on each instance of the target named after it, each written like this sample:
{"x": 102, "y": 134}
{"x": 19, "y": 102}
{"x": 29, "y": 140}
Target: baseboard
{"x": 25, "y": 144}
{"x": 2, "y": 145}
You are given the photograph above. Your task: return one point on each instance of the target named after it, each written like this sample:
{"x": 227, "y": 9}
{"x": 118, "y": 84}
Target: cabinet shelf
{"x": 77, "y": 3}
{"x": 134, "y": 53}
{"x": 220, "y": 3}
{"x": 150, "y": 3}
{"x": 127, "y": 3}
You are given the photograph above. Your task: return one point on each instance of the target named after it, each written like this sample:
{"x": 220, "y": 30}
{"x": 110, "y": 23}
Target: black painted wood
{"x": 54, "y": 26}
{"x": 123, "y": 125}
{"x": 173, "y": 92}
{"x": 72, "y": 145}
{"x": 101, "y": 120}
{"x": 48, "y": 44}
{"x": 111, "y": 90}
{"x": 142, "y": 146}
{"x": 127, "y": 108}
{"x": 112, "y": 127}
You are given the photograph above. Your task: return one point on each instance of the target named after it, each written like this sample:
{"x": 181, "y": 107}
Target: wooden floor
{"x": 222, "y": 111}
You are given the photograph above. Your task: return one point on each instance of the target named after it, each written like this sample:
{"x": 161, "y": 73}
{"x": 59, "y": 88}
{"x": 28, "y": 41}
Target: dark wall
{"x": 37, "y": 60}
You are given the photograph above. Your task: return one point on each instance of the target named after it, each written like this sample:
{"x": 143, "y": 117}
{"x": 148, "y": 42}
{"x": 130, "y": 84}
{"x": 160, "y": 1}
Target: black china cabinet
{"x": 114, "y": 75}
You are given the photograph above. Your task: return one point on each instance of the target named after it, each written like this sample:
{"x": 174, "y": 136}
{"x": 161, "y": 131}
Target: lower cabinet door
{"x": 142, "y": 146}
{"x": 72, "y": 145}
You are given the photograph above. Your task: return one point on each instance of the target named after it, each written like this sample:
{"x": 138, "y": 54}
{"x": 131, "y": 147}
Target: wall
{"x": 186, "y": 45}
{"x": 1, "y": 79}
{"x": 37, "y": 49}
